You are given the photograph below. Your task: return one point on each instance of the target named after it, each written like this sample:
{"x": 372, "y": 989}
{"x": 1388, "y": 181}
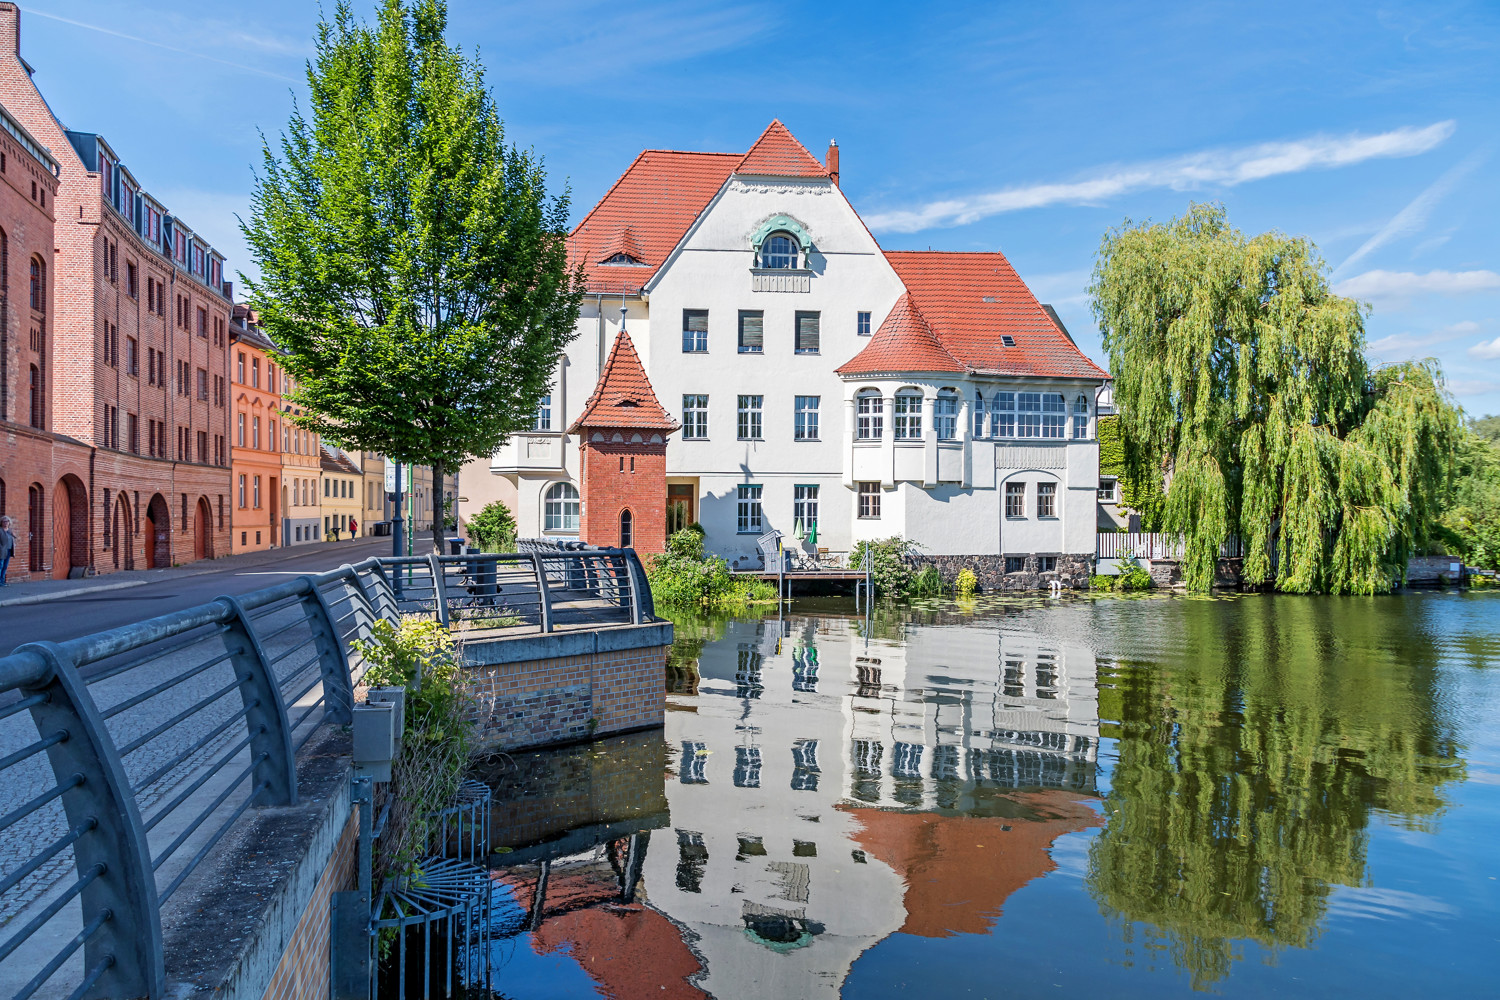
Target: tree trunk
{"x": 439, "y": 515}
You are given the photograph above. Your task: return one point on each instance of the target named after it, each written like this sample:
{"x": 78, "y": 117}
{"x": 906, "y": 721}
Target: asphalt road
{"x": 70, "y": 617}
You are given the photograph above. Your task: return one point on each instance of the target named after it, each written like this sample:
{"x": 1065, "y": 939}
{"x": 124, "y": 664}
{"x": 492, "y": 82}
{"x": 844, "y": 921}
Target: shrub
{"x": 888, "y": 566}
{"x": 685, "y": 577}
{"x": 493, "y": 529}
{"x": 926, "y": 582}
{"x": 1133, "y": 576}
{"x": 966, "y": 583}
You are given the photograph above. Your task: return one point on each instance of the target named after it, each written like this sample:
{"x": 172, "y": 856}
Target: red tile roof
{"x": 624, "y": 397}
{"x": 777, "y": 153}
{"x": 654, "y": 202}
{"x": 622, "y": 242}
{"x": 904, "y": 343}
{"x": 971, "y": 300}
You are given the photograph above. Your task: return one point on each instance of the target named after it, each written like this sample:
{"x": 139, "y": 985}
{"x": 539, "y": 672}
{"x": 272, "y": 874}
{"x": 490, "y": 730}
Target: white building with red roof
{"x": 824, "y": 387}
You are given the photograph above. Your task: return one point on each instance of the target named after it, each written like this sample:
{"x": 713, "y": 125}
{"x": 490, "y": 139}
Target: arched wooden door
{"x": 203, "y": 547}
{"x": 36, "y": 519}
{"x": 124, "y": 555}
{"x": 62, "y": 532}
{"x": 150, "y": 540}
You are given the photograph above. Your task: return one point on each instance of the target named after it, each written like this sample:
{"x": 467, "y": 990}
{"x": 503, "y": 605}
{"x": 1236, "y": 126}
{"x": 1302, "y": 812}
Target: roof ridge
{"x": 624, "y": 366}
{"x": 798, "y": 158}
{"x": 907, "y": 336}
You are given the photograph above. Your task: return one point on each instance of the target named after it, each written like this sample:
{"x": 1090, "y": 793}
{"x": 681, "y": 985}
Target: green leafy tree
{"x": 1142, "y": 495}
{"x": 493, "y": 529}
{"x": 1471, "y": 517}
{"x": 412, "y": 264}
{"x": 1242, "y": 376}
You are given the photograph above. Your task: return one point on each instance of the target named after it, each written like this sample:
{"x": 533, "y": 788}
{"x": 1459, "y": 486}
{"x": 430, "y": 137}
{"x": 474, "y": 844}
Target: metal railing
{"x": 148, "y": 742}
{"x": 1149, "y": 545}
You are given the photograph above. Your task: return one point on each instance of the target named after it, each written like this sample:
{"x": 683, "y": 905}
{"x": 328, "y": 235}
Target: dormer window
{"x": 622, "y": 258}
{"x": 779, "y": 252}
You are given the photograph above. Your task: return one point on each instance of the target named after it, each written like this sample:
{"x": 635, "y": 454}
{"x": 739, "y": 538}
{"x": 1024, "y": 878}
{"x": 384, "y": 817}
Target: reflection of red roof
{"x": 777, "y": 153}
{"x": 959, "y": 870}
{"x": 630, "y": 951}
{"x": 656, "y": 200}
{"x": 971, "y": 300}
{"x": 904, "y": 343}
{"x": 623, "y": 397}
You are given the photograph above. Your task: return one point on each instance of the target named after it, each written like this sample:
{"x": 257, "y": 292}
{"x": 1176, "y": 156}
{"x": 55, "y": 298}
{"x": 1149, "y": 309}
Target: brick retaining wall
{"x": 303, "y": 972}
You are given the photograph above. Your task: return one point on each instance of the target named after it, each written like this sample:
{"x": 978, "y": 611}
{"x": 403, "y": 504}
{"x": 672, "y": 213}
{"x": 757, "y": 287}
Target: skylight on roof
{"x": 622, "y": 258}
{"x": 1008, "y": 340}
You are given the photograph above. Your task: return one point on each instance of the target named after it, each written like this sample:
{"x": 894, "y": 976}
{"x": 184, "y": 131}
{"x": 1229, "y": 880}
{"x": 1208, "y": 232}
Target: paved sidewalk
{"x": 40, "y": 591}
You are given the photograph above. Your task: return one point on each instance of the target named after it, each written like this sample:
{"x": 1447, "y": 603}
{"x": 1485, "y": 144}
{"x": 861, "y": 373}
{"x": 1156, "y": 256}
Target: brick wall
{"x": 567, "y": 698}
{"x": 624, "y": 475}
{"x": 85, "y": 297}
{"x": 303, "y": 972}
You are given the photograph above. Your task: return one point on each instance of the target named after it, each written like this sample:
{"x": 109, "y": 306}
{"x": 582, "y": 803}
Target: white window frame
{"x": 560, "y": 511}
{"x": 945, "y": 415}
{"x": 869, "y": 423}
{"x": 749, "y": 424}
{"x": 749, "y": 514}
{"x": 694, "y": 416}
{"x": 805, "y": 418}
{"x": 906, "y": 415}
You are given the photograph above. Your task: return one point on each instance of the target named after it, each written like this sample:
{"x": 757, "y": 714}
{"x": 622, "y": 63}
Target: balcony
{"x": 532, "y": 451}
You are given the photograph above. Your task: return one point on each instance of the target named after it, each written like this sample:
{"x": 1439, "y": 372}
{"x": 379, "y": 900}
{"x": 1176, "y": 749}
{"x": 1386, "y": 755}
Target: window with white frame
{"x": 1107, "y": 489}
{"x": 906, "y": 415}
{"x": 1003, "y": 415}
{"x": 747, "y": 418}
{"x": 1081, "y": 417}
{"x": 869, "y": 422}
{"x": 560, "y": 509}
{"x": 979, "y": 414}
{"x": 1028, "y": 414}
{"x": 747, "y": 510}
{"x": 805, "y": 506}
{"x": 543, "y": 419}
{"x": 694, "y": 331}
{"x": 862, "y": 324}
{"x": 779, "y": 251}
{"x": 1015, "y": 499}
{"x": 1046, "y": 499}
{"x": 1054, "y": 415}
{"x": 694, "y": 417}
{"x": 807, "y": 333}
{"x": 806, "y": 426}
{"x": 752, "y": 331}
{"x": 945, "y": 415}
{"x": 869, "y": 500}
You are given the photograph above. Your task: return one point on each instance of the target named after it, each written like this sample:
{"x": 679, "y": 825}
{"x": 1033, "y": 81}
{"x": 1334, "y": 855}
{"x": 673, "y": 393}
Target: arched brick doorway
{"x": 36, "y": 520}
{"x": 122, "y": 535}
{"x": 158, "y": 533}
{"x": 70, "y": 547}
{"x": 203, "y": 539}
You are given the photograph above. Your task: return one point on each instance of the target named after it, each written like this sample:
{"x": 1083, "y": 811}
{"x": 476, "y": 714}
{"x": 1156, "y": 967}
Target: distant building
{"x": 302, "y": 472}
{"x": 135, "y": 345}
{"x": 343, "y": 495}
{"x": 254, "y": 380}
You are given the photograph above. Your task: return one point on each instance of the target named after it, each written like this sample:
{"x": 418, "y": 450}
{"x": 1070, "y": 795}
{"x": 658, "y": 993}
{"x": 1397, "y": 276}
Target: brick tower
{"x": 622, "y": 445}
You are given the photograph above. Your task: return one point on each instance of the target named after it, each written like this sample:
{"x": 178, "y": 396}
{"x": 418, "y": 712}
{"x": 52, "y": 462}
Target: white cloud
{"x": 1463, "y": 388}
{"x": 1404, "y": 284}
{"x": 1486, "y": 350}
{"x": 1413, "y": 218}
{"x": 1397, "y": 342}
{"x": 198, "y": 52}
{"x": 1060, "y": 290}
{"x": 1227, "y": 168}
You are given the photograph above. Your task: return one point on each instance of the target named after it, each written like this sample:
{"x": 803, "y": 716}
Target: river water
{"x": 1104, "y": 797}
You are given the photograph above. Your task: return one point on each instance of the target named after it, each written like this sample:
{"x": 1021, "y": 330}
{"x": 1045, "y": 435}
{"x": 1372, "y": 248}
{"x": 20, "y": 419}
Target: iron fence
{"x": 148, "y": 742}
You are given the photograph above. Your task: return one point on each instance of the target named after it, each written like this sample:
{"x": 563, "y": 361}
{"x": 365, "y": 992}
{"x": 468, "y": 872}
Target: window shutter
{"x": 807, "y": 332}
{"x": 695, "y": 320}
{"x": 752, "y": 330}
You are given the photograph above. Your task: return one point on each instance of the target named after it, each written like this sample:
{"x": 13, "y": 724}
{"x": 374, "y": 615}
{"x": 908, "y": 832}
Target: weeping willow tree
{"x": 1242, "y": 380}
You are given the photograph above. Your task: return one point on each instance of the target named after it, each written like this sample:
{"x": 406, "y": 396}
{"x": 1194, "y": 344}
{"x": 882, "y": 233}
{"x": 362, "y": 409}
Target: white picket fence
{"x": 1148, "y": 546}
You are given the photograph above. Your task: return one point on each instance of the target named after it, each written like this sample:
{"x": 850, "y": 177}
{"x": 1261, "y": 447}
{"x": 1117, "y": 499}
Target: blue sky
{"x": 1371, "y": 128}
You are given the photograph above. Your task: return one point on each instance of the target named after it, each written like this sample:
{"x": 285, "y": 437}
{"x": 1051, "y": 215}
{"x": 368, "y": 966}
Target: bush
{"x": 888, "y": 570}
{"x": 966, "y": 583}
{"x": 1133, "y": 576}
{"x": 926, "y": 582}
{"x": 493, "y": 529}
{"x": 685, "y": 577}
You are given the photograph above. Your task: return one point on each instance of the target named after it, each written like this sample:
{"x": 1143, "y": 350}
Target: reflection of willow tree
{"x": 1248, "y": 768}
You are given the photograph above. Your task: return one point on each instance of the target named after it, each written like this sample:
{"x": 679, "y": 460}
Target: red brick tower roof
{"x": 777, "y": 153}
{"x": 904, "y": 343}
{"x": 624, "y": 397}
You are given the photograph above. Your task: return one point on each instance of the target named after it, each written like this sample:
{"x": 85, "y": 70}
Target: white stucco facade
{"x": 947, "y": 496}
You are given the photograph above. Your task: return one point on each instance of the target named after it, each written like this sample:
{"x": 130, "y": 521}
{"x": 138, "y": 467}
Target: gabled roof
{"x": 624, "y": 397}
{"x": 653, "y": 203}
{"x": 971, "y": 300}
{"x": 904, "y": 343}
{"x": 335, "y": 461}
{"x": 777, "y": 153}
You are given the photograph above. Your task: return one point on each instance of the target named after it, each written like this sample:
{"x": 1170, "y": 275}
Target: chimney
{"x": 833, "y": 161}
{"x": 10, "y": 28}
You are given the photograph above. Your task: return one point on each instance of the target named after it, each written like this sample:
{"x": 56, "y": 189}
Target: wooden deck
{"x": 803, "y": 574}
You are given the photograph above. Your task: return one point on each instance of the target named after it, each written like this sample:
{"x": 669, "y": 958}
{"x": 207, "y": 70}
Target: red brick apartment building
{"x": 136, "y": 344}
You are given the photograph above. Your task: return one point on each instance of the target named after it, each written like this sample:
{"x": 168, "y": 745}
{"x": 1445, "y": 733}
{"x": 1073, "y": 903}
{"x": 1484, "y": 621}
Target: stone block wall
{"x": 1433, "y": 571}
{"x": 1072, "y": 571}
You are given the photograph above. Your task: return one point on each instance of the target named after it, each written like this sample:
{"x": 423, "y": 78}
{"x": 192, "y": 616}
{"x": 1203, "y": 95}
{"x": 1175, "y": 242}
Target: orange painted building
{"x": 254, "y": 380}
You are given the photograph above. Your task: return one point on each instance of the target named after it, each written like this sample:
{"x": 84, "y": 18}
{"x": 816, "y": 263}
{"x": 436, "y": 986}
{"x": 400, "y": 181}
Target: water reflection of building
{"x": 817, "y": 774}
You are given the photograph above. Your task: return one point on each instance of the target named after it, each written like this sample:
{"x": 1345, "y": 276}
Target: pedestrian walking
{"x": 353, "y": 528}
{"x": 7, "y": 546}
